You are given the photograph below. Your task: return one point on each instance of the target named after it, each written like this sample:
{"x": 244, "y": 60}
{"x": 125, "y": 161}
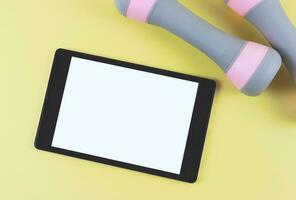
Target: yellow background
{"x": 250, "y": 148}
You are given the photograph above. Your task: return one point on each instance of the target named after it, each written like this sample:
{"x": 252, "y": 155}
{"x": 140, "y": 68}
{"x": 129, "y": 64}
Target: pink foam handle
{"x": 242, "y": 7}
{"x": 247, "y": 63}
{"x": 140, "y": 9}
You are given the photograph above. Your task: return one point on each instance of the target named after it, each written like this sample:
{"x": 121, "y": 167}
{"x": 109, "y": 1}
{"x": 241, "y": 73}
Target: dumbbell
{"x": 250, "y": 66}
{"x": 270, "y": 18}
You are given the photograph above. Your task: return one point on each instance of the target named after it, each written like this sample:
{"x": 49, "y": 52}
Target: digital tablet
{"x": 126, "y": 115}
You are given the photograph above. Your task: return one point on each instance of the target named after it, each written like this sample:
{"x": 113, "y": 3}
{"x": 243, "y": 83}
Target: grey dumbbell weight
{"x": 270, "y": 18}
{"x": 250, "y": 66}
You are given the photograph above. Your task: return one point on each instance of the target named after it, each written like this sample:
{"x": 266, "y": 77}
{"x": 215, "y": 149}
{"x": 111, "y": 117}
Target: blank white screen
{"x": 125, "y": 115}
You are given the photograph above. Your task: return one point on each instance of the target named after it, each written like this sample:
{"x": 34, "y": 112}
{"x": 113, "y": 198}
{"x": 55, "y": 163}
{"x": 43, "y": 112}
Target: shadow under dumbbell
{"x": 283, "y": 94}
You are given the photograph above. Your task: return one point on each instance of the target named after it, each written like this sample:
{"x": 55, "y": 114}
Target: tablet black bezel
{"x": 197, "y": 131}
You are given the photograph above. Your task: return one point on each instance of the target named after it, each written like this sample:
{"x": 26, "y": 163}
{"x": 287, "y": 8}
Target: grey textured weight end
{"x": 122, "y": 6}
{"x": 250, "y": 66}
{"x": 266, "y": 69}
{"x": 270, "y": 18}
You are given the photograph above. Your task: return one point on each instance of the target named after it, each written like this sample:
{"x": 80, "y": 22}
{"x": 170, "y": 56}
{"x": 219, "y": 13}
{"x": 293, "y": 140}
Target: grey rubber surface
{"x": 266, "y": 69}
{"x": 122, "y": 6}
{"x": 219, "y": 46}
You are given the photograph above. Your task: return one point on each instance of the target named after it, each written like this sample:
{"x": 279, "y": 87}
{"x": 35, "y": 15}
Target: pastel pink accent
{"x": 242, "y": 7}
{"x": 247, "y": 63}
{"x": 140, "y": 9}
